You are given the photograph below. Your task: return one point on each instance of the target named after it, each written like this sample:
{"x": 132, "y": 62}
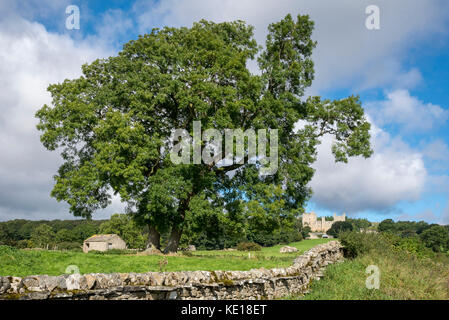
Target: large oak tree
{"x": 112, "y": 124}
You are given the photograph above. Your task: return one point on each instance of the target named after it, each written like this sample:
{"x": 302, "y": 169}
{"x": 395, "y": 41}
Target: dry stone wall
{"x": 252, "y": 284}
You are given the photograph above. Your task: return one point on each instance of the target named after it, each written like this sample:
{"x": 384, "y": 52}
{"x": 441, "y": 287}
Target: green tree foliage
{"x": 43, "y": 236}
{"x": 359, "y": 224}
{"x": 124, "y": 226}
{"x": 403, "y": 228}
{"x": 83, "y": 231}
{"x": 112, "y": 125}
{"x": 3, "y": 235}
{"x": 265, "y": 222}
{"x": 359, "y": 243}
{"x": 436, "y": 238}
{"x": 338, "y": 227}
{"x": 386, "y": 225}
{"x": 305, "y": 231}
{"x": 433, "y": 236}
{"x": 13, "y": 231}
{"x": 65, "y": 235}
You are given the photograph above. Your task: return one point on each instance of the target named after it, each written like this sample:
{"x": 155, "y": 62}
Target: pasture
{"x": 20, "y": 263}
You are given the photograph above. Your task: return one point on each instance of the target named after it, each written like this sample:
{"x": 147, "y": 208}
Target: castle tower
{"x": 320, "y": 225}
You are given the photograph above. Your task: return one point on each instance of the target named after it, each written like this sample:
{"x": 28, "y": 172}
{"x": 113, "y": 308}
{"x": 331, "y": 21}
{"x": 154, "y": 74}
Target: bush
{"x": 263, "y": 238}
{"x": 356, "y": 243}
{"x": 436, "y": 238}
{"x": 338, "y": 227}
{"x": 281, "y": 236}
{"x": 187, "y": 253}
{"x": 203, "y": 242}
{"x": 8, "y": 250}
{"x": 68, "y": 245}
{"x": 412, "y": 245}
{"x": 22, "y": 244}
{"x": 248, "y": 246}
{"x": 305, "y": 232}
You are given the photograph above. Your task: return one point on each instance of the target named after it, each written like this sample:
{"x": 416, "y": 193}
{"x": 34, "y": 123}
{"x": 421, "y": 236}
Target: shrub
{"x": 8, "y": 250}
{"x": 338, "y": 227}
{"x": 290, "y": 236}
{"x": 68, "y": 245}
{"x": 187, "y": 253}
{"x": 356, "y": 243}
{"x": 412, "y": 245}
{"x": 22, "y": 244}
{"x": 436, "y": 238}
{"x": 9, "y": 254}
{"x": 248, "y": 246}
{"x": 263, "y": 238}
{"x": 305, "y": 232}
{"x": 282, "y": 236}
{"x": 203, "y": 242}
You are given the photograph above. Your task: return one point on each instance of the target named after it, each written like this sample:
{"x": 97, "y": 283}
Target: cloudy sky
{"x": 400, "y": 71}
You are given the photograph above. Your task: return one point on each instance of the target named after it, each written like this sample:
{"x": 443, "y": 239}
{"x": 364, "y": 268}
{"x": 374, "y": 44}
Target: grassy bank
{"x": 405, "y": 273}
{"x": 15, "y": 262}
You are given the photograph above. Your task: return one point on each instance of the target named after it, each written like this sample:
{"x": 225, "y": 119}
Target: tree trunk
{"x": 173, "y": 241}
{"x": 154, "y": 238}
{"x": 176, "y": 230}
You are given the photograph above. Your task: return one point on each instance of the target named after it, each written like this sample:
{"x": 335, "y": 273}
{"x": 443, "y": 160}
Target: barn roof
{"x": 102, "y": 238}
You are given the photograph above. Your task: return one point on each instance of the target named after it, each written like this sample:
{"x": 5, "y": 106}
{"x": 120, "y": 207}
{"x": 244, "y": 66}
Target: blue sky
{"x": 401, "y": 73}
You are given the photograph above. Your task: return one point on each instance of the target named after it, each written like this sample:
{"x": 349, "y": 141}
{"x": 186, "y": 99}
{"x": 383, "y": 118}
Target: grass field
{"x": 403, "y": 276}
{"x": 14, "y": 262}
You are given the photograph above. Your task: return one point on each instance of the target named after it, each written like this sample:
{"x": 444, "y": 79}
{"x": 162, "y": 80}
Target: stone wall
{"x": 252, "y": 284}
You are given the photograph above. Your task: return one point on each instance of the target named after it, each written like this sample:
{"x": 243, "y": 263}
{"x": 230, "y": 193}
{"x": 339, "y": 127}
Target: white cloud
{"x": 437, "y": 150}
{"x": 407, "y": 111}
{"x": 394, "y": 173}
{"x": 30, "y": 59}
{"x": 347, "y": 53}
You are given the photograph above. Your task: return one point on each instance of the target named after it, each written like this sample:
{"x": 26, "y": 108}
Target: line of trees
{"x": 409, "y": 233}
{"x": 356, "y": 224}
{"x": 433, "y": 236}
{"x": 205, "y": 231}
{"x": 65, "y": 234}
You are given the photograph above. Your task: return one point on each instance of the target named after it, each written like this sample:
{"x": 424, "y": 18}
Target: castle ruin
{"x": 310, "y": 219}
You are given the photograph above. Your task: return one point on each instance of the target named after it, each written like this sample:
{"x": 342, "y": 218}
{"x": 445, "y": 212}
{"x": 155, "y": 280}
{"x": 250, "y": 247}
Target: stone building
{"x": 310, "y": 219}
{"x": 103, "y": 242}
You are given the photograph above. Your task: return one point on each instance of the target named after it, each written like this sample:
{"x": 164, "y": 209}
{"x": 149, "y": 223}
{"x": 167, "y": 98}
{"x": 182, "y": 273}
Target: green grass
{"x": 302, "y": 246}
{"x": 403, "y": 276}
{"x": 22, "y": 263}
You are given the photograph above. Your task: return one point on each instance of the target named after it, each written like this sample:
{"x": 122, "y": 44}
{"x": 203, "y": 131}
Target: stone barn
{"x": 103, "y": 242}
